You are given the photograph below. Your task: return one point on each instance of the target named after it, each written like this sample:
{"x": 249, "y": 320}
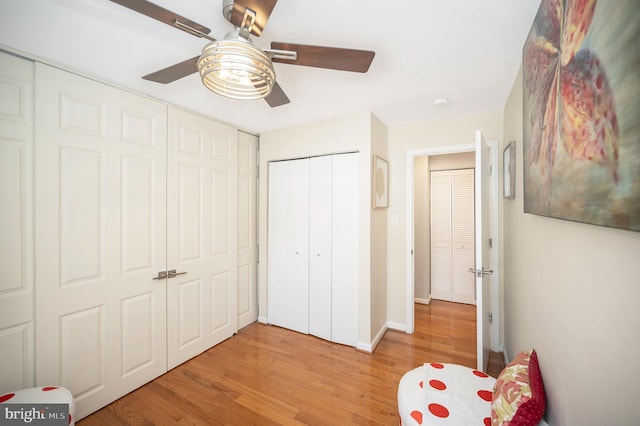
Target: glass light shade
{"x": 236, "y": 69}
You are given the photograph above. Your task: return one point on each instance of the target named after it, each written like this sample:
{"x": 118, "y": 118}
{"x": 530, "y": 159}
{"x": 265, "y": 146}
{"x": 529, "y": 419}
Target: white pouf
{"x": 445, "y": 394}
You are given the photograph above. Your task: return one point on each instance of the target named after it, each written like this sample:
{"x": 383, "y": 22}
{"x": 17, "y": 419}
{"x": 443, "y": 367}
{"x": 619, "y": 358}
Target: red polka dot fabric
{"x": 445, "y": 394}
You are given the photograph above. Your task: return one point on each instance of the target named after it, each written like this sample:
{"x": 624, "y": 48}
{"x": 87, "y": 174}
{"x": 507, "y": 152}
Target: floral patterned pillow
{"x": 518, "y": 395}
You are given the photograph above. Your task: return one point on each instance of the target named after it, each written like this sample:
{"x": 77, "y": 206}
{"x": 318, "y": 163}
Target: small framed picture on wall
{"x": 509, "y": 168}
{"x": 380, "y": 183}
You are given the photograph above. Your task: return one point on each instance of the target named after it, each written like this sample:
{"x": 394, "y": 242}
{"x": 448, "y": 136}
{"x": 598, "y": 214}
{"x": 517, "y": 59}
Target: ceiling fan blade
{"x": 163, "y": 15}
{"x": 277, "y": 96}
{"x": 326, "y": 57}
{"x": 174, "y": 72}
{"x": 262, "y": 8}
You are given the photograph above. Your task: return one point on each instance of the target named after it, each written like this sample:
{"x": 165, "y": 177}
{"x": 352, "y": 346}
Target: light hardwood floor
{"x": 266, "y": 375}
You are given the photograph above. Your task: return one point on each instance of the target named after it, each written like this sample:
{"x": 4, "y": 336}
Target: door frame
{"x": 495, "y": 251}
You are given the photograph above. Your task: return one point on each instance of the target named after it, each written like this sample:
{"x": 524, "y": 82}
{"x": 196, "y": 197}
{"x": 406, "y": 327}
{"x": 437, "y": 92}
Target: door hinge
{"x": 490, "y": 317}
{"x": 490, "y": 169}
{"x": 490, "y": 242}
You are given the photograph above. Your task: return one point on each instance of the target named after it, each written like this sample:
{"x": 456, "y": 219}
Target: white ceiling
{"x": 467, "y": 51}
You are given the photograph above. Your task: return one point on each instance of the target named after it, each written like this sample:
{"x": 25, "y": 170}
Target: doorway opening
{"x": 412, "y": 155}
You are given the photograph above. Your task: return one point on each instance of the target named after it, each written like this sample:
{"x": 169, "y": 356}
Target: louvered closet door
{"x": 99, "y": 239}
{"x": 16, "y": 224}
{"x": 201, "y": 234}
{"x": 452, "y": 235}
{"x": 462, "y": 235}
{"x": 441, "y": 235}
{"x": 288, "y": 245}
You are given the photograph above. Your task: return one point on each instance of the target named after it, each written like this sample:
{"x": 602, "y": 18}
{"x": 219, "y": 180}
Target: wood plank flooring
{"x": 266, "y": 375}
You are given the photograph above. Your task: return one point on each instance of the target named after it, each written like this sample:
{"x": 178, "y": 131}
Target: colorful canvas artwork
{"x": 581, "y": 112}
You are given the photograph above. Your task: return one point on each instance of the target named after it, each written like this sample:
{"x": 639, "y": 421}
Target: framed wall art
{"x": 581, "y": 113}
{"x": 380, "y": 183}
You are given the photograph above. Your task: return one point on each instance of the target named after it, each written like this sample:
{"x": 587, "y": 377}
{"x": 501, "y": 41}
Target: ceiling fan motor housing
{"x": 227, "y": 8}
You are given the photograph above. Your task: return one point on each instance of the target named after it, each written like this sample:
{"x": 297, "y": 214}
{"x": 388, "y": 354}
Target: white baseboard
{"x": 262, "y": 320}
{"x": 370, "y": 347}
{"x": 396, "y": 326}
{"x": 423, "y": 301}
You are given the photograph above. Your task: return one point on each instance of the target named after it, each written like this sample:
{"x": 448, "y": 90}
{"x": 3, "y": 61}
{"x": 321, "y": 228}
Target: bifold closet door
{"x": 100, "y": 238}
{"x": 345, "y": 249}
{"x": 201, "y": 234}
{"x": 333, "y": 243}
{"x": 320, "y": 245}
{"x": 313, "y": 246}
{"x": 288, "y": 245}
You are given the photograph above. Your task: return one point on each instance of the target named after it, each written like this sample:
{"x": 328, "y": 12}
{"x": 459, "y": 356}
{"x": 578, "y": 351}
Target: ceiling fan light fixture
{"x": 236, "y": 69}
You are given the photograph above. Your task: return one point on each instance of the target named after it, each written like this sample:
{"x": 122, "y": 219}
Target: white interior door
{"x": 247, "y": 229}
{"x": 99, "y": 238}
{"x": 482, "y": 266}
{"x": 16, "y": 224}
{"x": 201, "y": 234}
{"x": 320, "y": 236}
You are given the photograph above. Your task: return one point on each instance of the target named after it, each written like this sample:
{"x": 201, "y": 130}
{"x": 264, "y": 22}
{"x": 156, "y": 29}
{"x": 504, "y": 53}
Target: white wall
{"x": 571, "y": 291}
{"x": 456, "y": 131}
{"x": 362, "y": 133}
{"x": 379, "y": 218}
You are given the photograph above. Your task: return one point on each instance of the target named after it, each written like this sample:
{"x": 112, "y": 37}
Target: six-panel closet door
{"x": 201, "y": 234}
{"x": 136, "y": 234}
{"x": 100, "y": 238}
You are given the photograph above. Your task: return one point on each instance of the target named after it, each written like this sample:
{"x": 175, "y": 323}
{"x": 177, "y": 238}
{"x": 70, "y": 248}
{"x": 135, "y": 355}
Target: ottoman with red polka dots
{"x": 445, "y": 394}
{"x": 41, "y": 395}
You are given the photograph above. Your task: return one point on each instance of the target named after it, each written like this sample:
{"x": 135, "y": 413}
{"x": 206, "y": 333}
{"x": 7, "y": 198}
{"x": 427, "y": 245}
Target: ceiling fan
{"x": 234, "y": 67}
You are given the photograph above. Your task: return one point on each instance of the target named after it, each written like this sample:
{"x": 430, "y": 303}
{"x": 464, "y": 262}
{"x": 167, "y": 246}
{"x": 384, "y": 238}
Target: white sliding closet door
{"x": 288, "y": 272}
{"x": 99, "y": 239}
{"x": 201, "y": 234}
{"x": 16, "y": 224}
{"x": 247, "y": 229}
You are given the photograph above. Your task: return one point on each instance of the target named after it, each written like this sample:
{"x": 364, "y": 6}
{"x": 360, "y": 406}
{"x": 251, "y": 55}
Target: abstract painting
{"x": 581, "y": 112}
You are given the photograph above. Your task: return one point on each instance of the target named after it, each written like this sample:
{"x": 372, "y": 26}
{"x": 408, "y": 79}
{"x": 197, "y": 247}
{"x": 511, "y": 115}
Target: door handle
{"x": 162, "y": 275}
{"x": 480, "y": 272}
{"x": 172, "y": 273}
